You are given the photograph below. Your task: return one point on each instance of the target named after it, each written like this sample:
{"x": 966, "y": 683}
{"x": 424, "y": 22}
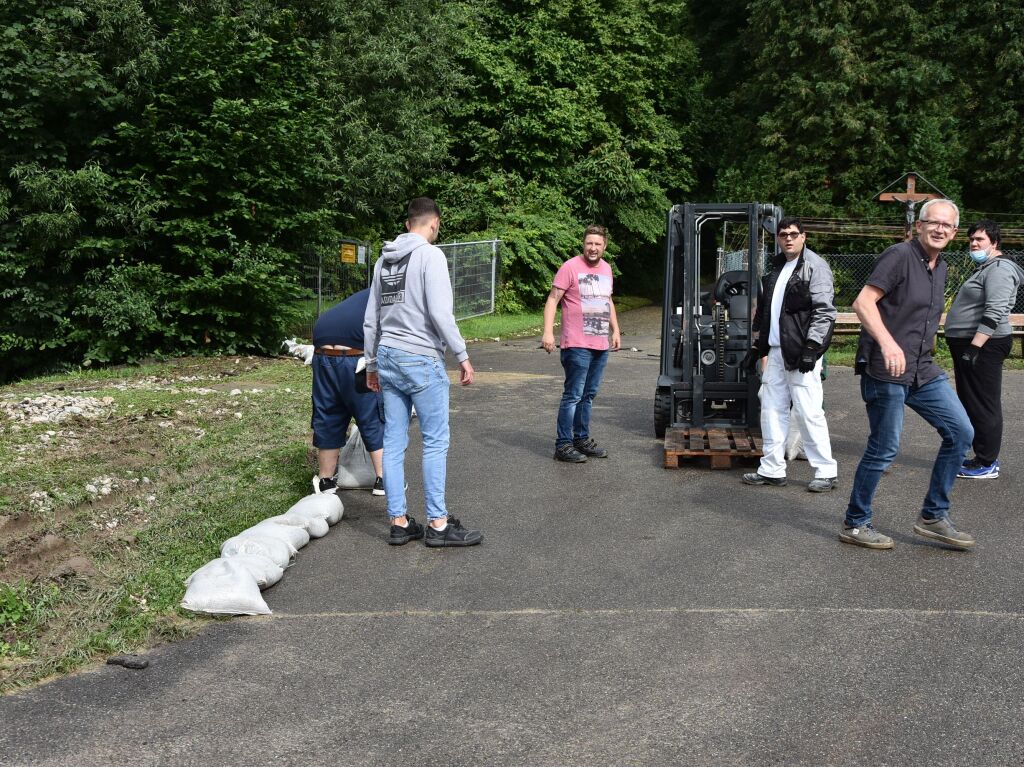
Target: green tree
{"x": 578, "y": 111}
{"x": 839, "y": 99}
{"x": 991, "y": 54}
{"x": 167, "y": 165}
{"x": 71, "y": 70}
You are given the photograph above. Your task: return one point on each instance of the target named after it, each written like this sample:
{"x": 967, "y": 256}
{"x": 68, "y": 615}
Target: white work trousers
{"x": 781, "y": 388}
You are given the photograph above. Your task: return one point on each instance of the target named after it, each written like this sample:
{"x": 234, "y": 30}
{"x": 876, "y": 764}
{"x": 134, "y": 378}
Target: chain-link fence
{"x": 330, "y": 276}
{"x": 851, "y": 270}
{"x": 473, "y": 267}
{"x": 327, "y": 277}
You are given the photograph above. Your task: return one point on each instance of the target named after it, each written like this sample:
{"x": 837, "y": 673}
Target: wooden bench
{"x": 847, "y": 324}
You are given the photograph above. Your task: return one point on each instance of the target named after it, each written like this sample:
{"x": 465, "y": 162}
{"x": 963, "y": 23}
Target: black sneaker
{"x": 325, "y": 485}
{"x": 566, "y": 452}
{"x": 757, "y": 478}
{"x": 378, "y": 487}
{"x": 402, "y": 535}
{"x": 589, "y": 448}
{"x": 453, "y": 535}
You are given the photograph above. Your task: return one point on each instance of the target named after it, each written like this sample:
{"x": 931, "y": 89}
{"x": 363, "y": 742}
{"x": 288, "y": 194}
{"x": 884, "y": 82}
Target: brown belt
{"x": 339, "y": 352}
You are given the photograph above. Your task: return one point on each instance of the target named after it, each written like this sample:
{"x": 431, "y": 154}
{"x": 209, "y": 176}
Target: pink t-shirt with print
{"x": 586, "y": 305}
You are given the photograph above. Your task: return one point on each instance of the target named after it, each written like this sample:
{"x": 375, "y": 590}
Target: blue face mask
{"x": 979, "y": 256}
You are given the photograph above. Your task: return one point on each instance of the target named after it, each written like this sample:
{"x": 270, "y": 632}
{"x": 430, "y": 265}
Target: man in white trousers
{"x": 795, "y": 319}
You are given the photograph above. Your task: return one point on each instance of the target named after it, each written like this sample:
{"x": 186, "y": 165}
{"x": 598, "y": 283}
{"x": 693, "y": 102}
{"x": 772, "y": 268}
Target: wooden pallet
{"x": 720, "y": 445}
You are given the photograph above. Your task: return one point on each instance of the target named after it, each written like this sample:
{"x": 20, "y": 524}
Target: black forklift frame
{"x": 684, "y": 384}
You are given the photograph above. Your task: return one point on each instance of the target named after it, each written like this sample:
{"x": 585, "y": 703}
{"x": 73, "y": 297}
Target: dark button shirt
{"x": 911, "y": 309}
{"x": 342, "y": 324}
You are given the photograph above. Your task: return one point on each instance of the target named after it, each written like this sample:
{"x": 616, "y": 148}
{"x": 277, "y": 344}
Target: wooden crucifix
{"x": 909, "y": 198}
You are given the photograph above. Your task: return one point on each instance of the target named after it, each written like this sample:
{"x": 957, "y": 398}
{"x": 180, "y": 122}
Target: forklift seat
{"x": 730, "y": 284}
{"x": 739, "y": 308}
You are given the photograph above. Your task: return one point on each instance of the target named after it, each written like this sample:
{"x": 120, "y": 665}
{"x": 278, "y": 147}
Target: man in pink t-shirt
{"x": 583, "y": 287}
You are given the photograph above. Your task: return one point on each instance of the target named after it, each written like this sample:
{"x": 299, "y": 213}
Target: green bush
{"x": 167, "y": 165}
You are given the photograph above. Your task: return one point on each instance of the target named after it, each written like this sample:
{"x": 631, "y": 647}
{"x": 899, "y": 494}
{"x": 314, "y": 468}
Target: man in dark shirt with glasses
{"x": 900, "y": 308}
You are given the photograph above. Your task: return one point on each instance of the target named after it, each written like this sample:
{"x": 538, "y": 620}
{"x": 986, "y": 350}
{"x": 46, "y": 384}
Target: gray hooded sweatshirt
{"x": 983, "y": 303}
{"x": 410, "y": 305}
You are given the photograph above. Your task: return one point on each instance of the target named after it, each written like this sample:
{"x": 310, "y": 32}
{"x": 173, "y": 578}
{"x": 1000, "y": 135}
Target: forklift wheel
{"x": 662, "y": 412}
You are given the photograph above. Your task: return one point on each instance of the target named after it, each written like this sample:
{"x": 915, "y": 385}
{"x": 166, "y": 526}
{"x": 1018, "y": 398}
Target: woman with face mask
{"x": 978, "y": 333}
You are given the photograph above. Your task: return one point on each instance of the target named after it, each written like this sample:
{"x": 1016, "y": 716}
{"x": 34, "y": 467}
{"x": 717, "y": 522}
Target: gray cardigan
{"x": 983, "y": 303}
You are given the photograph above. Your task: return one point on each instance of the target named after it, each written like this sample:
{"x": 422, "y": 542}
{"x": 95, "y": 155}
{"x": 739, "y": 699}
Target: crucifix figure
{"x": 910, "y": 199}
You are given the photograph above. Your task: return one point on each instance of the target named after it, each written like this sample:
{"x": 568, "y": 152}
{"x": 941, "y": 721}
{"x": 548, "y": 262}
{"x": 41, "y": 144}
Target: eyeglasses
{"x": 788, "y": 235}
{"x": 942, "y": 226}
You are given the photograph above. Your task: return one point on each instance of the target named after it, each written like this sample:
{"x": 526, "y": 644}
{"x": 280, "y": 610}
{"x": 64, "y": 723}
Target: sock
{"x": 439, "y": 529}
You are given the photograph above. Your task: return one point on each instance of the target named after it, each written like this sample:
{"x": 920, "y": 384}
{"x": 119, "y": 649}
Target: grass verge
{"x": 104, "y": 513}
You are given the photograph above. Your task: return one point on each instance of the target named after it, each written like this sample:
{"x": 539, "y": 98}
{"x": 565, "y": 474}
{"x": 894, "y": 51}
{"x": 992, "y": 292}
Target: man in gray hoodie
{"x": 409, "y": 323}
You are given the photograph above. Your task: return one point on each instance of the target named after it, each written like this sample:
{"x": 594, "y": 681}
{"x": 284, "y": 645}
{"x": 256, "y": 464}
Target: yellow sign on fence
{"x": 348, "y": 253}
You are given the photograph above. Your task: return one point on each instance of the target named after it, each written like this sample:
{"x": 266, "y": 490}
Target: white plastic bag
{"x": 355, "y": 469}
{"x": 295, "y": 535}
{"x": 325, "y": 505}
{"x": 794, "y": 437}
{"x": 303, "y": 351}
{"x": 278, "y": 550}
{"x": 222, "y": 587}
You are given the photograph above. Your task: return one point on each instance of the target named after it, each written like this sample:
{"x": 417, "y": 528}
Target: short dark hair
{"x": 989, "y": 227}
{"x": 596, "y": 229}
{"x": 788, "y": 221}
{"x": 421, "y": 208}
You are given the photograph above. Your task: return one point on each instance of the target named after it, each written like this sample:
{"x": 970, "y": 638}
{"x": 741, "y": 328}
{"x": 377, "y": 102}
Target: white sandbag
{"x": 295, "y": 535}
{"x": 263, "y": 569}
{"x": 325, "y": 505}
{"x": 355, "y": 469}
{"x": 222, "y": 587}
{"x": 314, "y": 525}
{"x": 277, "y": 549}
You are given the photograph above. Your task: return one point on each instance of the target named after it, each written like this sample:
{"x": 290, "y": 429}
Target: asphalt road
{"x": 617, "y": 613}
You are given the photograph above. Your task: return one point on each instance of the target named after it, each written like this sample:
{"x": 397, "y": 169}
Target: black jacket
{"x": 808, "y": 311}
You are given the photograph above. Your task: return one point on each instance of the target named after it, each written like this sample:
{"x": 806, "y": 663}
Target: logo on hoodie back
{"x": 392, "y": 281}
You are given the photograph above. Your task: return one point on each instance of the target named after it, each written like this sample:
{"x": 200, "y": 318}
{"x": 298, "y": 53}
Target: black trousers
{"x": 980, "y": 389}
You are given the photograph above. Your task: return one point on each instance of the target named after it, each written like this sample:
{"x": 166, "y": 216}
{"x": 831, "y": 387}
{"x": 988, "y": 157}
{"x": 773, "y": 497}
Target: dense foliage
{"x": 820, "y": 105}
{"x": 577, "y": 111}
{"x": 165, "y": 165}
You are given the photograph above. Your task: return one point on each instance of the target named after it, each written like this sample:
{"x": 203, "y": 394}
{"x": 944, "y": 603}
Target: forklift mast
{"x": 707, "y": 333}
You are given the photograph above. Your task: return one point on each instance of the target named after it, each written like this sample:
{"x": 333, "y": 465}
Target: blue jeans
{"x": 406, "y": 380}
{"x": 583, "y": 371}
{"x": 935, "y": 402}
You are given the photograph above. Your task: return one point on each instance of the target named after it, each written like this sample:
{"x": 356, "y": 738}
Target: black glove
{"x": 970, "y": 356}
{"x": 750, "y": 360}
{"x": 808, "y": 357}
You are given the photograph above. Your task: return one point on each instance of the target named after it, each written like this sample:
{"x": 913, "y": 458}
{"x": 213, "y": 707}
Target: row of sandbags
{"x": 256, "y": 558}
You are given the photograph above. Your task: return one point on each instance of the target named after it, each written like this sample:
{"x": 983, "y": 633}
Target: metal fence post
{"x": 319, "y": 282}
{"x": 494, "y": 272}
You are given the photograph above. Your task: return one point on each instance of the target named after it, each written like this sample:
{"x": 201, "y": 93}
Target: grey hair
{"x": 950, "y": 203}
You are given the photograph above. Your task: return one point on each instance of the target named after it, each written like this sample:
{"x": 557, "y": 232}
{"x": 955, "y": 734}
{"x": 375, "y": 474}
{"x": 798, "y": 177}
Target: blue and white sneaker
{"x": 974, "y": 470}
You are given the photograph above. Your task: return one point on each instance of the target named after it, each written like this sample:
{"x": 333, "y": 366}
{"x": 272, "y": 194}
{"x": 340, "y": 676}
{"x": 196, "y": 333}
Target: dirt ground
{"x": 79, "y": 425}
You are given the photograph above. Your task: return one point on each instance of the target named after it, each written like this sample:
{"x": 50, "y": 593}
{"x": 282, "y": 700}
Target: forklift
{"x": 705, "y": 402}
